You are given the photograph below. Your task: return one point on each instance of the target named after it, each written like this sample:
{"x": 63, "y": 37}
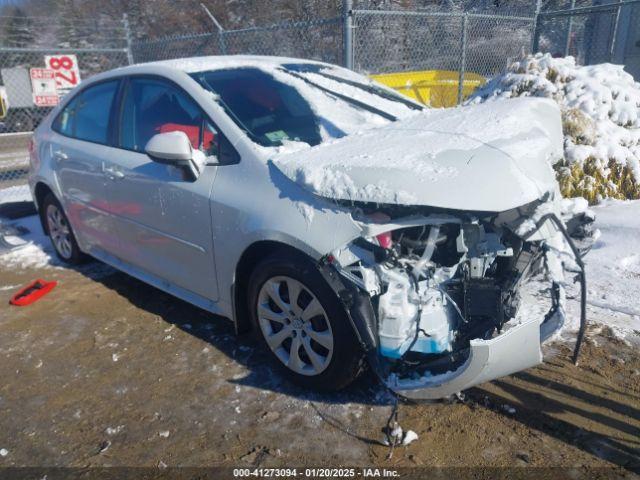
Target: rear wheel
{"x": 303, "y": 324}
{"x": 60, "y": 232}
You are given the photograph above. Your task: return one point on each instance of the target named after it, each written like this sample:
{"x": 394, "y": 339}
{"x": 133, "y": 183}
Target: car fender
{"x": 253, "y": 202}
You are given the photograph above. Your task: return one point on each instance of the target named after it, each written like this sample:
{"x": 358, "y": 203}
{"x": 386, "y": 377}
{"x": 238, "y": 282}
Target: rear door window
{"x": 65, "y": 122}
{"x": 86, "y": 117}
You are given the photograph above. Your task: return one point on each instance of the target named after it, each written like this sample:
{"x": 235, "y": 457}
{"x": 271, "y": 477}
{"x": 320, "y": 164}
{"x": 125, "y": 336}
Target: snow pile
{"x": 37, "y": 251}
{"x": 601, "y": 121}
{"x": 409, "y": 437}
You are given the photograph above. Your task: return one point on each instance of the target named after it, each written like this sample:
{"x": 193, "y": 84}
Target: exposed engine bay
{"x": 445, "y": 285}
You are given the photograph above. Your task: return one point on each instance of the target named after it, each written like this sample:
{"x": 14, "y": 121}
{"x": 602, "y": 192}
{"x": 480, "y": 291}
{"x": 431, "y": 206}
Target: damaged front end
{"x": 433, "y": 296}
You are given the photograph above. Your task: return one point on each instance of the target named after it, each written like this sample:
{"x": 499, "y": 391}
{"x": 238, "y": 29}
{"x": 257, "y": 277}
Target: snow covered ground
{"x": 15, "y": 193}
{"x": 36, "y": 253}
{"x": 613, "y": 278}
{"x": 613, "y": 265}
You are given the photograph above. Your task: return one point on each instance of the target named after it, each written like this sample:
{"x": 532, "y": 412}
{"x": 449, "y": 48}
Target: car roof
{"x": 200, "y": 64}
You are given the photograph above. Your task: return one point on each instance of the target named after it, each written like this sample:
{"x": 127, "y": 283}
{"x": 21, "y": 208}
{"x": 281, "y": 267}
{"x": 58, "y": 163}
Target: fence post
{"x": 127, "y": 34}
{"x": 567, "y": 44}
{"x": 615, "y": 34}
{"x": 463, "y": 57}
{"x": 221, "y": 43}
{"x": 347, "y": 16}
{"x": 535, "y": 40}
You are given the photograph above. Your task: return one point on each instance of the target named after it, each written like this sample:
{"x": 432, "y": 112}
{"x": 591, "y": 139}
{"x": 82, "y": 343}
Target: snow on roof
{"x": 214, "y": 62}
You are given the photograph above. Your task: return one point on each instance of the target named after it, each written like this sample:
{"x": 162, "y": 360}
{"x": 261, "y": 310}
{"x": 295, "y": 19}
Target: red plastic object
{"x": 192, "y": 131}
{"x": 384, "y": 239}
{"x": 32, "y": 292}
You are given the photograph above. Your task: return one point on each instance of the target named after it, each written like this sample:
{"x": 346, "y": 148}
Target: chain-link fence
{"x": 315, "y": 39}
{"x": 464, "y": 44}
{"x": 592, "y": 33}
{"x": 395, "y": 41}
{"x": 586, "y": 33}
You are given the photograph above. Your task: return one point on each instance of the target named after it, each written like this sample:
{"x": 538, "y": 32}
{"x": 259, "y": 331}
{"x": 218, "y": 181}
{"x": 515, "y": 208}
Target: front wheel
{"x": 301, "y": 321}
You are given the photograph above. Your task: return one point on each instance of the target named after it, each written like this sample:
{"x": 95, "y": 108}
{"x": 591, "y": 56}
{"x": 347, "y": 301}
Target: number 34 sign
{"x": 66, "y": 71}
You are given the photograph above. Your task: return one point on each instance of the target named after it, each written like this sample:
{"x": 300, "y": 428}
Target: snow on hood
{"x": 490, "y": 157}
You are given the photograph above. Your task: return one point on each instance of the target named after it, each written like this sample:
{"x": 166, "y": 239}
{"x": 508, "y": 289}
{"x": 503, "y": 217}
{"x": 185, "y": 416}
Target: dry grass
{"x": 578, "y": 126}
{"x": 590, "y": 182}
{"x": 589, "y": 179}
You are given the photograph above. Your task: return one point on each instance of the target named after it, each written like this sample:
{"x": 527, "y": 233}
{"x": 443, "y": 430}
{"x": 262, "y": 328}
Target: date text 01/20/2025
{"x": 315, "y": 472}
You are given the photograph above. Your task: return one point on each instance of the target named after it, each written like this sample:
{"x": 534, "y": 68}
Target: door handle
{"x": 113, "y": 173}
{"x": 117, "y": 174}
{"x": 60, "y": 155}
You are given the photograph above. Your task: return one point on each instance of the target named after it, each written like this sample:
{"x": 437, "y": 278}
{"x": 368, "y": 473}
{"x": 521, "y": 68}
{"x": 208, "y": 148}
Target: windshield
{"x": 269, "y": 111}
{"x": 301, "y": 102}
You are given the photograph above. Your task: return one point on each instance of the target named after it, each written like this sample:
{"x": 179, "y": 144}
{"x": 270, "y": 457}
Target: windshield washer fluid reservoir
{"x": 398, "y": 311}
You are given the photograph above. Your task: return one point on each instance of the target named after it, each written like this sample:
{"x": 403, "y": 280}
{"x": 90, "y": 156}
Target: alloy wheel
{"x": 59, "y": 231}
{"x": 295, "y": 325}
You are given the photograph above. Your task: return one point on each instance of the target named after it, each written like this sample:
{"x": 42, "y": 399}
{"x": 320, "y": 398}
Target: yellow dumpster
{"x": 435, "y": 88}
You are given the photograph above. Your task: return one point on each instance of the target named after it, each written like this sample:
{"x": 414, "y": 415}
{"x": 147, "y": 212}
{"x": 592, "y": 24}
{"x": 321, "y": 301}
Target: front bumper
{"x": 514, "y": 350}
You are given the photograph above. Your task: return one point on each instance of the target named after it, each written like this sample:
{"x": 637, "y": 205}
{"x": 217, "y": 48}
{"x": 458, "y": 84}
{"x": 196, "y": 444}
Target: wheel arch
{"x": 41, "y": 190}
{"x": 245, "y": 267}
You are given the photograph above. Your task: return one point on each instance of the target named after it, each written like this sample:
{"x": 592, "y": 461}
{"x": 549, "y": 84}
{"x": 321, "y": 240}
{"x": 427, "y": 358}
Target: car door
{"x": 80, "y": 147}
{"x": 162, "y": 214}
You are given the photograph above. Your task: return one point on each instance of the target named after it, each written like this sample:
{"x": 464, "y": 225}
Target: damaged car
{"x": 342, "y": 223}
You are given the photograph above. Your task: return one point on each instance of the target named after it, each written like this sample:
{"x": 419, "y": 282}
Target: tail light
{"x": 34, "y": 161}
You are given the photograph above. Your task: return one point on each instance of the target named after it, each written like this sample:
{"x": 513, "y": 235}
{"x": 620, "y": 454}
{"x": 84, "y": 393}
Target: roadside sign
{"x": 66, "y": 71}
{"x": 43, "y": 86}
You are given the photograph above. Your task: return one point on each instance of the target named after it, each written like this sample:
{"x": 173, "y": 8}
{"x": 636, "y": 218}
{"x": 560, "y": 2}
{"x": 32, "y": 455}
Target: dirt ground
{"x": 107, "y": 371}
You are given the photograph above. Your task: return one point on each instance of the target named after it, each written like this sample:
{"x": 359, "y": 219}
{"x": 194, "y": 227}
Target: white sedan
{"x": 341, "y": 222}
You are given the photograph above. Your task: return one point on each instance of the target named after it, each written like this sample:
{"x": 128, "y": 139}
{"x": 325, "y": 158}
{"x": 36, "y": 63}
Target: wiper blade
{"x": 341, "y": 96}
{"x": 373, "y": 90}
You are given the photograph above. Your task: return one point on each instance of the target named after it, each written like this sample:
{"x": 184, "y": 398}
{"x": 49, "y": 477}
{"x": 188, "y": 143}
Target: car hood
{"x": 490, "y": 157}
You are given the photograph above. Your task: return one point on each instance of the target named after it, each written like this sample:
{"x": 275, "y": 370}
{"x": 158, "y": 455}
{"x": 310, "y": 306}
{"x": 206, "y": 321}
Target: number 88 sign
{"x": 66, "y": 70}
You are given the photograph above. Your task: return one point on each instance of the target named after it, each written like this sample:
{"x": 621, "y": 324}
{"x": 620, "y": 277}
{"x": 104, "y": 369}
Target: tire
{"x": 329, "y": 357}
{"x": 60, "y": 232}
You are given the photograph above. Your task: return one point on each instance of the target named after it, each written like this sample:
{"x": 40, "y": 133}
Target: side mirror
{"x": 173, "y": 148}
